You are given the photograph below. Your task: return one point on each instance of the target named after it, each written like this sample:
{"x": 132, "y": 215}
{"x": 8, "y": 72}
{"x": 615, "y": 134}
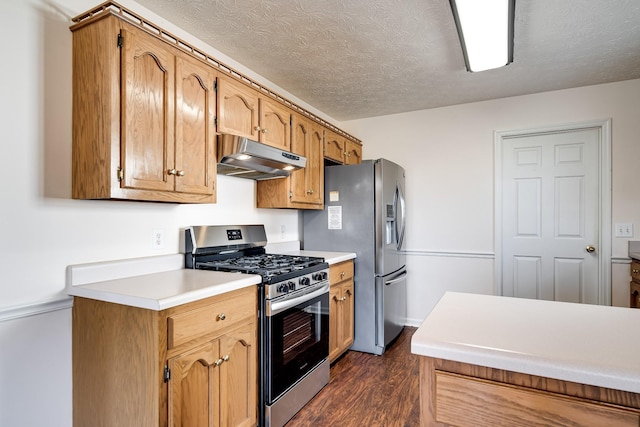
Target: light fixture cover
{"x": 485, "y": 29}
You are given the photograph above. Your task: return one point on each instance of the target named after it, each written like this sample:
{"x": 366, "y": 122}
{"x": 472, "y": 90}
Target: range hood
{"x": 244, "y": 158}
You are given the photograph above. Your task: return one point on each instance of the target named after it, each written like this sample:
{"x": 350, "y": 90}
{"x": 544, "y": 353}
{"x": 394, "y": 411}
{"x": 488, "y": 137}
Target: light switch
{"x": 624, "y": 229}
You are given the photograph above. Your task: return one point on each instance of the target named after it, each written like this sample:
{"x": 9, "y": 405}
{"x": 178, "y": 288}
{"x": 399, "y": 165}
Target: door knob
{"x": 590, "y": 249}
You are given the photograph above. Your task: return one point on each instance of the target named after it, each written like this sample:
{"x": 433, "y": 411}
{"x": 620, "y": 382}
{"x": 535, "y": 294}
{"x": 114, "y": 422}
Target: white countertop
{"x": 161, "y": 282}
{"x": 155, "y": 283}
{"x": 329, "y": 257}
{"x": 589, "y": 344}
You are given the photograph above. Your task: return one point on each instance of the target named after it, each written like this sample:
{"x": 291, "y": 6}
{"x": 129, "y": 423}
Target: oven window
{"x": 297, "y": 340}
{"x": 300, "y": 331}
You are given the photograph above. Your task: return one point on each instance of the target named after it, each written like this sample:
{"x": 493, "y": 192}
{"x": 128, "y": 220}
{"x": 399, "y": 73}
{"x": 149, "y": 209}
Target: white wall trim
{"x": 604, "y": 167}
{"x": 17, "y": 312}
{"x": 450, "y": 254}
{"x": 620, "y": 260}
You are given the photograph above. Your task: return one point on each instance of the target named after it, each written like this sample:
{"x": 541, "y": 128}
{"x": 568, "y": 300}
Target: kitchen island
{"x": 490, "y": 360}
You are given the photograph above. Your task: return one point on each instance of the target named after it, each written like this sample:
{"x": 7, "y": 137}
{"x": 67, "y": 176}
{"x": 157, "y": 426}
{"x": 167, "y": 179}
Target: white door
{"x": 550, "y": 216}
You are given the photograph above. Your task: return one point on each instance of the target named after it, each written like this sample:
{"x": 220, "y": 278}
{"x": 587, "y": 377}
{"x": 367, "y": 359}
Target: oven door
{"x": 297, "y": 339}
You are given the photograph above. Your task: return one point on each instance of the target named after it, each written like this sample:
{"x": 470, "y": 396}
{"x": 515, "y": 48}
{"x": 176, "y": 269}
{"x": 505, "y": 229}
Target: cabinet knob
{"x": 342, "y": 273}
{"x": 172, "y": 172}
{"x": 225, "y": 358}
{"x": 310, "y": 191}
{"x": 264, "y": 130}
{"x": 635, "y": 271}
{"x": 343, "y": 299}
{"x": 257, "y": 129}
{"x": 180, "y": 173}
{"x": 218, "y": 362}
{"x": 221, "y": 316}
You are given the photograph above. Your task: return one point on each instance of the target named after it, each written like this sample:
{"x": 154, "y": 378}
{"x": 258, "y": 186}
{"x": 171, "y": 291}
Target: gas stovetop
{"x": 272, "y": 267}
{"x": 240, "y": 248}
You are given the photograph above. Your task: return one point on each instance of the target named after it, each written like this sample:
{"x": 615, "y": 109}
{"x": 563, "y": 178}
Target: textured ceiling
{"x": 363, "y": 58}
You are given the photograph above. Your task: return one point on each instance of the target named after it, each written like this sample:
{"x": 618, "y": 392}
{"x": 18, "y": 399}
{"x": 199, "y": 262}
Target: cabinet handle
{"x": 218, "y": 362}
{"x": 221, "y": 316}
{"x": 310, "y": 191}
{"x": 257, "y": 129}
{"x": 343, "y": 299}
{"x": 264, "y": 130}
{"x": 172, "y": 172}
{"x": 225, "y": 358}
{"x": 342, "y": 273}
{"x": 634, "y": 271}
{"x": 180, "y": 173}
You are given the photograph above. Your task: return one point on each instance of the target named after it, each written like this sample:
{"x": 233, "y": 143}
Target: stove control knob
{"x": 283, "y": 288}
{"x": 304, "y": 281}
{"x": 322, "y": 275}
{"x": 292, "y": 286}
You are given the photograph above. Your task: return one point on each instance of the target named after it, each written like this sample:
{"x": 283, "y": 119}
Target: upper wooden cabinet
{"x": 304, "y": 188}
{"x": 143, "y": 117}
{"x": 242, "y": 111}
{"x": 339, "y": 149}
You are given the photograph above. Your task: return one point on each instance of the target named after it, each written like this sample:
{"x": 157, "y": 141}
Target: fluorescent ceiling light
{"x": 485, "y": 28}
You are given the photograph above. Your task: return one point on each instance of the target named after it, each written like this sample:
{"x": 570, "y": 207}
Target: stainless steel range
{"x": 293, "y": 313}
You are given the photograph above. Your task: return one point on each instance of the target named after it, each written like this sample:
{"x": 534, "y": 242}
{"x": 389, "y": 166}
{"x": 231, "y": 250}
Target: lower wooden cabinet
{"x": 190, "y": 365}
{"x": 341, "y": 308}
{"x": 634, "y": 285}
{"x": 212, "y": 384}
{"x": 460, "y": 394}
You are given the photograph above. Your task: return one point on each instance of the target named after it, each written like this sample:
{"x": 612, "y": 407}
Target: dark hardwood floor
{"x": 368, "y": 390}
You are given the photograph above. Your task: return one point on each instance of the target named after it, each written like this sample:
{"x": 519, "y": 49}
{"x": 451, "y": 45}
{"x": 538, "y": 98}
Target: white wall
{"x": 448, "y": 154}
{"x": 42, "y": 230}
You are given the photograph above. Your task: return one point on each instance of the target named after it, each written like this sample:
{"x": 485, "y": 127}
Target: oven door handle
{"x": 274, "y": 308}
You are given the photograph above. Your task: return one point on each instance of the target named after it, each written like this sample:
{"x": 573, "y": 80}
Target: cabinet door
{"x": 334, "y": 322}
{"x": 334, "y": 146}
{"x": 148, "y": 73}
{"x": 353, "y": 153}
{"x": 238, "y": 377}
{"x": 347, "y": 315}
{"x": 315, "y": 166}
{"x": 300, "y": 139}
{"x": 275, "y": 124}
{"x": 195, "y": 162}
{"x": 237, "y": 109}
{"x": 193, "y": 394}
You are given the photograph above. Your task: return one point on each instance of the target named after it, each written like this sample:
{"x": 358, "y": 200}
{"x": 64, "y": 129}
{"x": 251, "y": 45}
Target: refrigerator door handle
{"x": 400, "y": 217}
{"x": 396, "y": 279}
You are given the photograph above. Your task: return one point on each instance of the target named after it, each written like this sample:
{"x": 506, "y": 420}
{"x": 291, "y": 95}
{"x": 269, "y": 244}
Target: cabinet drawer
{"x": 341, "y": 272}
{"x": 199, "y": 322}
{"x": 466, "y": 401}
{"x": 635, "y": 271}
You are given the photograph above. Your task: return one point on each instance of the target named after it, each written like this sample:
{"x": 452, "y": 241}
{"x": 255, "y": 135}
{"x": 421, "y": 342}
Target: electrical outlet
{"x": 624, "y": 230}
{"x": 157, "y": 238}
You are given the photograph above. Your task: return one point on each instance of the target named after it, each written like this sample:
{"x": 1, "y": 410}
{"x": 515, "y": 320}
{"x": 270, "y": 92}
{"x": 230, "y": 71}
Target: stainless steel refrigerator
{"x": 365, "y": 213}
